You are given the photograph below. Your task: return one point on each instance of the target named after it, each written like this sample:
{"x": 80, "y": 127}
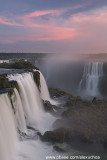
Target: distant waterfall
{"x": 90, "y": 79}
{"x": 8, "y": 132}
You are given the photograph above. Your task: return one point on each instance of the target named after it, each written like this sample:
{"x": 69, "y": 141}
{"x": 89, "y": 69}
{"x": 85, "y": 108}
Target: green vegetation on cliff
{"x": 36, "y": 76}
{"x": 18, "y": 64}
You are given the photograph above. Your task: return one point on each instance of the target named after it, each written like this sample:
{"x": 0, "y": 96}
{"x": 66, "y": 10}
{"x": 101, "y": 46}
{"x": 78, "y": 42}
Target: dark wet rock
{"x": 39, "y": 134}
{"x": 59, "y": 136}
{"x": 31, "y": 128}
{"x": 14, "y": 84}
{"x": 57, "y": 123}
{"x": 68, "y": 113}
{"x": 49, "y": 107}
{"x": 56, "y": 92}
{"x": 87, "y": 119}
{"x": 36, "y": 76}
{"x": 10, "y": 93}
{"x": 58, "y": 149}
{"x": 89, "y": 122}
{"x": 4, "y": 83}
{"x": 22, "y": 134}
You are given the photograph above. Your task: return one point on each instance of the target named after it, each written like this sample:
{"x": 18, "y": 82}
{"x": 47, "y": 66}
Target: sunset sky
{"x": 53, "y": 26}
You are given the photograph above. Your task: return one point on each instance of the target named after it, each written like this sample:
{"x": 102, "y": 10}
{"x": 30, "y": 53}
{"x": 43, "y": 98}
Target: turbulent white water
{"x": 33, "y": 150}
{"x": 8, "y": 132}
{"x": 19, "y": 113}
{"x": 28, "y": 111}
{"x": 89, "y": 83}
{"x": 31, "y": 103}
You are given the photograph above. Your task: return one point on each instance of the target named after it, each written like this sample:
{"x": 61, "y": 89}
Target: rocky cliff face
{"x": 22, "y": 67}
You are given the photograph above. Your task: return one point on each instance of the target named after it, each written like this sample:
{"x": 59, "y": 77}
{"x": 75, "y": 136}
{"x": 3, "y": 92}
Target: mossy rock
{"x": 4, "y": 83}
{"x": 14, "y": 84}
{"x": 10, "y": 93}
{"x": 36, "y": 76}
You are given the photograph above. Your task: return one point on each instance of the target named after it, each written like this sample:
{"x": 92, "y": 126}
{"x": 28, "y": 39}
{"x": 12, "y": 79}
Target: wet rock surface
{"x": 49, "y": 107}
{"x": 86, "y": 120}
{"x": 60, "y": 135}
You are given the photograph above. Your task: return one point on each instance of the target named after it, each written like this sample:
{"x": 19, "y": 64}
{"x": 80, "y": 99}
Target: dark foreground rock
{"x": 85, "y": 119}
{"x": 59, "y": 149}
{"x": 56, "y": 92}
{"x": 59, "y": 135}
{"x": 36, "y": 76}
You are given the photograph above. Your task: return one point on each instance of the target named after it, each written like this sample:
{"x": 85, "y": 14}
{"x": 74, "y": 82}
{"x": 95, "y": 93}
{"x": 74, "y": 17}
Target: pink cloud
{"x": 46, "y": 31}
{"x": 6, "y": 21}
{"x": 59, "y": 33}
{"x": 42, "y": 13}
{"x": 28, "y": 20}
{"x": 85, "y": 30}
{"x": 55, "y": 33}
{"x": 95, "y": 17}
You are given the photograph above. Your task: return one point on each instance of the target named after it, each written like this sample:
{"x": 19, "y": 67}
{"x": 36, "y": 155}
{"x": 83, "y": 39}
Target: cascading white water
{"x": 19, "y": 113}
{"x": 28, "y": 110}
{"x": 31, "y": 102}
{"x": 44, "y": 90}
{"x": 90, "y": 79}
{"x": 8, "y": 131}
{"x": 27, "y": 103}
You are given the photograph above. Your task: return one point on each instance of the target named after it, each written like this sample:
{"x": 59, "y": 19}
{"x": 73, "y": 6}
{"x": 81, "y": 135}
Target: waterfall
{"x": 23, "y": 108}
{"x": 8, "y": 132}
{"x": 19, "y": 113}
{"x": 93, "y": 71}
{"x": 30, "y": 102}
{"x": 45, "y": 92}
